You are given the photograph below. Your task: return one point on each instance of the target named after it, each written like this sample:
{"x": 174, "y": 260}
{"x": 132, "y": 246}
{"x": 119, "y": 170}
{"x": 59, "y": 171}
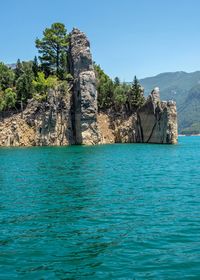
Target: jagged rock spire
{"x": 84, "y": 89}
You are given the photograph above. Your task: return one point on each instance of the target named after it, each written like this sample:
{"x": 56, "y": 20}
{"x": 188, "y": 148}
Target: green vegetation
{"x": 6, "y": 77}
{"x": 23, "y": 81}
{"x": 33, "y": 79}
{"x": 53, "y": 49}
{"x": 7, "y": 99}
{"x": 117, "y": 95}
{"x": 136, "y": 97}
{"x": 42, "y": 85}
{"x": 10, "y": 98}
{"x": 105, "y": 88}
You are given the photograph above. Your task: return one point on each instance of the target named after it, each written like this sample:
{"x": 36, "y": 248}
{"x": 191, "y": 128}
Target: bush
{"x": 10, "y": 98}
{"x": 41, "y": 84}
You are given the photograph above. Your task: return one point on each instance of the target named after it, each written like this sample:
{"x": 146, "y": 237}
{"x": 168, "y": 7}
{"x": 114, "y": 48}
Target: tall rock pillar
{"x": 84, "y": 90}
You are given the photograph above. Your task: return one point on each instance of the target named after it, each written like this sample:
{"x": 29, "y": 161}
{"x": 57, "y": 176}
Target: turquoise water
{"x": 127, "y": 211}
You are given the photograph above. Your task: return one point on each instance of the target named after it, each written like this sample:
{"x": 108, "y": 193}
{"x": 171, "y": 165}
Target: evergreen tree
{"x": 2, "y": 101}
{"x": 105, "y": 88}
{"x": 136, "y": 98}
{"x": 35, "y": 67}
{"x": 63, "y": 70}
{"x": 119, "y": 97}
{"x": 10, "y": 98}
{"x": 18, "y": 70}
{"x": 51, "y": 48}
{"x": 6, "y": 77}
{"x": 24, "y": 87}
{"x": 117, "y": 81}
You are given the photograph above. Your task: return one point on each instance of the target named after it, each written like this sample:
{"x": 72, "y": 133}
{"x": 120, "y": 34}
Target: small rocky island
{"x": 72, "y": 116}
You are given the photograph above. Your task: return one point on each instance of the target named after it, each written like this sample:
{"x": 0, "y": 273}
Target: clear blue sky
{"x": 128, "y": 37}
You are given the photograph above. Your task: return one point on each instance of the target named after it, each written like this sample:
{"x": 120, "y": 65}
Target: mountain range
{"x": 184, "y": 88}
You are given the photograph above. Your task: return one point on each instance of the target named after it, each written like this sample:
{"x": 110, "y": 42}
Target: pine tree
{"x": 116, "y": 81}
{"x": 24, "y": 86}
{"x": 35, "y": 67}
{"x": 136, "y": 97}
{"x": 51, "y": 48}
{"x": 18, "y": 69}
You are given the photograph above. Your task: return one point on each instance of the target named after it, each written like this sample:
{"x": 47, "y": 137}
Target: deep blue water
{"x": 124, "y": 211}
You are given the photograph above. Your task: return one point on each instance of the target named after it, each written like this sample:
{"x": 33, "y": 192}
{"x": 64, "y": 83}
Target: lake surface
{"x": 124, "y": 211}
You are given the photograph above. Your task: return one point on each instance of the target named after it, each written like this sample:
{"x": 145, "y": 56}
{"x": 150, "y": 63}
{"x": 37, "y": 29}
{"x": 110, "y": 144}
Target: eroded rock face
{"x": 84, "y": 90}
{"x": 157, "y": 121}
{"x": 53, "y": 120}
{"x": 49, "y": 123}
{"x": 42, "y": 124}
{"x": 117, "y": 127}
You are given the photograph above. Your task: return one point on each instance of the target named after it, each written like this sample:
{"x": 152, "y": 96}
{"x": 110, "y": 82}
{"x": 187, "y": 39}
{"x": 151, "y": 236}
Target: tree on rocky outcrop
{"x": 42, "y": 85}
{"x": 136, "y": 95}
{"x": 53, "y": 49}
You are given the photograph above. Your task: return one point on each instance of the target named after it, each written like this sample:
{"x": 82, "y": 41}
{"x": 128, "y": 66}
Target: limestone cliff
{"x": 117, "y": 127}
{"x": 84, "y": 90}
{"x": 41, "y": 124}
{"x": 72, "y": 117}
{"x": 157, "y": 121}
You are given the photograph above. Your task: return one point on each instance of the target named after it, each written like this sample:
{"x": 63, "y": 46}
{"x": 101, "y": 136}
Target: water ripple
{"x": 107, "y": 212}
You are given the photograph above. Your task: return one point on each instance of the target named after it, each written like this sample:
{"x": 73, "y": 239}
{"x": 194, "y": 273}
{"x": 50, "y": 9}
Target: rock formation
{"x": 72, "y": 117}
{"x": 84, "y": 90}
{"x": 157, "y": 121}
{"x": 154, "y": 122}
{"x": 42, "y": 124}
{"x": 117, "y": 128}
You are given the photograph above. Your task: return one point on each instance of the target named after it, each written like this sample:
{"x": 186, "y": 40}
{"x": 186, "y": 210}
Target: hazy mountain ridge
{"x": 184, "y": 88}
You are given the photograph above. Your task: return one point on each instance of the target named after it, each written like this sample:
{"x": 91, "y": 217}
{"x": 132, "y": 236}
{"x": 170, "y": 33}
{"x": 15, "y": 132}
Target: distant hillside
{"x": 184, "y": 88}
{"x": 11, "y": 65}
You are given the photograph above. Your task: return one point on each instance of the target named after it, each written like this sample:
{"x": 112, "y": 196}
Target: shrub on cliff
{"x": 42, "y": 85}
